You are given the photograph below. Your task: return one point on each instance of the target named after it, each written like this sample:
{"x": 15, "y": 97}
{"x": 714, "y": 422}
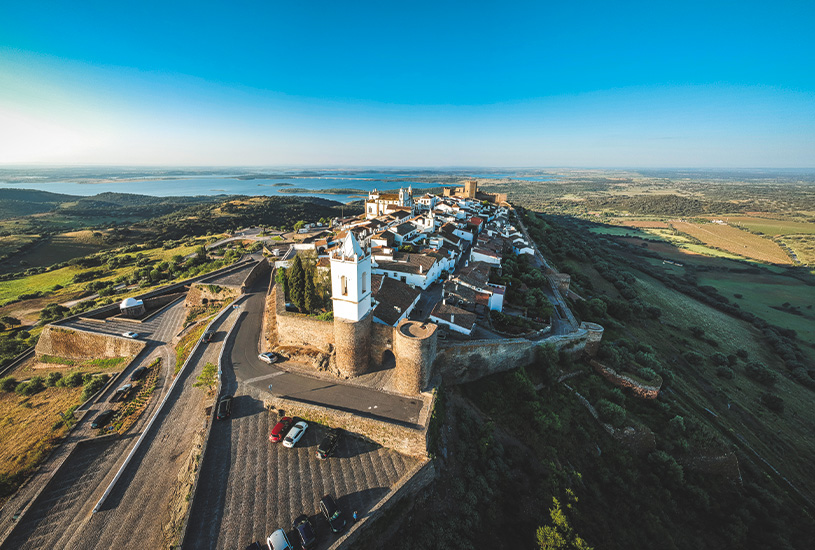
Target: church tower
{"x": 351, "y": 298}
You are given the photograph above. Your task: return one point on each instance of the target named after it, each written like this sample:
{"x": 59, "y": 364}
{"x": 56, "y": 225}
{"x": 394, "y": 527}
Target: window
{"x": 344, "y": 285}
{"x": 364, "y": 282}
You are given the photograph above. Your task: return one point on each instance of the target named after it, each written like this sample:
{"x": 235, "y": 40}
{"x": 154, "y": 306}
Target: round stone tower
{"x": 414, "y": 346}
{"x": 595, "y": 334}
{"x": 352, "y": 342}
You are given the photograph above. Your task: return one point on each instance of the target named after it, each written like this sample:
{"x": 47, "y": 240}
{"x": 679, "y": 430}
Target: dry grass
{"x": 184, "y": 346}
{"x": 28, "y": 427}
{"x": 645, "y": 224}
{"x": 736, "y": 241}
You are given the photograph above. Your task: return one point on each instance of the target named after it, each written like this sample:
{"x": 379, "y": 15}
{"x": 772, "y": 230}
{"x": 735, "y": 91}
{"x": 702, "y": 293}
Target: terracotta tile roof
{"x": 454, "y": 315}
{"x": 394, "y": 297}
{"x": 407, "y": 263}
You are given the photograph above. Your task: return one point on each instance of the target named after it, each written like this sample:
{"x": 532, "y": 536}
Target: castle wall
{"x": 381, "y": 341}
{"x": 461, "y": 362}
{"x": 80, "y": 344}
{"x": 296, "y": 329}
{"x": 409, "y": 440}
{"x": 352, "y": 341}
{"x": 638, "y": 387}
{"x": 414, "y": 345}
{"x": 260, "y": 269}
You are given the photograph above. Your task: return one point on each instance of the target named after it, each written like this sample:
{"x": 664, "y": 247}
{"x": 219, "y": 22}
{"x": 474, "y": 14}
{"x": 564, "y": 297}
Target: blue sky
{"x": 690, "y": 84}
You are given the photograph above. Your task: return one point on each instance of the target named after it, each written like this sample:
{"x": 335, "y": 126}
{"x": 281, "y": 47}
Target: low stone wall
{"x": 414, "y": 481}
{"x": 639, "y": 388}
{"x": 80, "y": 344}
{"x": 457, "y": 363}
{"x": 409, "y": 440}
{"x": 295, "y": 329}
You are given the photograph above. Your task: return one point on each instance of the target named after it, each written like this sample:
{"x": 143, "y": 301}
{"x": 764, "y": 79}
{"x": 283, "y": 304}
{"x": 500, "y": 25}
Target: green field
{"x": 773, "y": 226}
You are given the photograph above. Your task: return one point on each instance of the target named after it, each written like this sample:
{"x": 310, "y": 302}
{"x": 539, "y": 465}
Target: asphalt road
{"x": 254, "y": 372}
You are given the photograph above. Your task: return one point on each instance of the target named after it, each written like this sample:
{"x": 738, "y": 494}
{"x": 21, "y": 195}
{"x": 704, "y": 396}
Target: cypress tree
{"x": 297, "y": 283}
{"x": 310, "y": 298}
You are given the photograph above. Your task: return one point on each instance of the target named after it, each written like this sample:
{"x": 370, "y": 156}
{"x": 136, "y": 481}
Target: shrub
{"x": 95, "y": 384}
{"x": 53, "y": 379}
{"x": 772, "y": 402}
{"x": 760, "y": 373}
{"x": 8, "y": 384}
{"x": 725, "y": 372}
{"x": 718, "y": 359}
{"x": 610, "y": 412}
{"x": 73, "y": 380}
{"x": 693, "y": 358}
{"x": 33, "y": 386}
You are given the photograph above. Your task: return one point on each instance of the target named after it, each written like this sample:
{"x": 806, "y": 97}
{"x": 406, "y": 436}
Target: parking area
{"x": 250, "y": 487}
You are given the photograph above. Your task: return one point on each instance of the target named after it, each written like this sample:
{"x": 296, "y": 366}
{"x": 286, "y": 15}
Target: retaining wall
{"x": 211, "y": 293}
{"x": 260, "y": 269}
{"x": 295, "y": 329}
{"x": 79, "y": 344}
{"x": 411, "y": 483}
{"x": 405, "y": 439}
{"x": 639, "y": 388}
{"x": 457, "y": 363}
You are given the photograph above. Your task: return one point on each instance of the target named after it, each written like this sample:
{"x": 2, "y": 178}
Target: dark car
{"x": 329, "y": 443}
{"x": 332, "y": 513}
{"x": 138, "y": 373}
{"x": 254, "y": 546}
{"x": 208, "y": 336}
{"x": 224, "y": 407}
{"x": 305, "y": 531}
{"x": 281, "y": 429}
{"x": 102, "y": 418}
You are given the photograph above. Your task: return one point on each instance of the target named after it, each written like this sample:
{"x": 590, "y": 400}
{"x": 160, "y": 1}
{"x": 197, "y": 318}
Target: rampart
{"x": 406, "y": 439}
{"x": 296, "y": 329}
{"x": 414, "y": 345}
{"x": 468, "y": 361}
{"x": 260, "y": 269}
{"x": 638, "y": 387}
{"x": 81, "y": 344}
{"x": 352, "y": 340}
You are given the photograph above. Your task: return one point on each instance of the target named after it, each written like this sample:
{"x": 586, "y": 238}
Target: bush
{"x": 33, "y": 386}
{"x": 94, "y": 385}
{"x": 73, "y": 380}
{"x": 693, "y": 358}
{"x": 718, "y": 359}
{"x": 8, "y": 384}
{"x": 760, "y": 373}
{"x": 610, "y": 412}
{"x": 772, "y": 402}
{"x": 725, "y": 372}
{"x": 53, "y": 379}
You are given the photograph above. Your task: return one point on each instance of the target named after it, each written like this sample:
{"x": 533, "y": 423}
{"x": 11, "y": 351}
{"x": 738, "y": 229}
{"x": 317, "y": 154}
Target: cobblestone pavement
{"x": 249, "y": 486}
{"x": 61, "y": 516}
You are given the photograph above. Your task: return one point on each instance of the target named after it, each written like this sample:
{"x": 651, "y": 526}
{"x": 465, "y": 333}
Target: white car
{"x": 268, "y": 357}
{"x": 130, "y": 334}
{"x": 279, "y": 541}
{"x": 295, "y": 434}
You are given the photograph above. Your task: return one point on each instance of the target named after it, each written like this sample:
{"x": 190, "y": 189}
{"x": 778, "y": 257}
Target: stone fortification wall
{"x": 414, "y": 345}
{"x": 295, "y": 329}
{"x": 414, "y": 481}
{"x": 381, "y": 342}
{"x": 409, "y": 440}
{"x": 352, "y": 341}
{"x": 638, "y": 387}
{"x": 260, "y": 269}
{"x": 468, "y": 361}
{"x": 80, "y": 344}
{"x": 211, "y": 293}
{"x": 157, "y": 302}
{"x": 586, "y": 338}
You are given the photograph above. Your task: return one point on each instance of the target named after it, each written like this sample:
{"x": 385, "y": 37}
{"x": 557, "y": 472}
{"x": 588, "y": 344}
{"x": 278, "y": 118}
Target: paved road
{"x": 64, "y": 505}
{"x": 248, "y": 487}
{"x": 250, "y": 370}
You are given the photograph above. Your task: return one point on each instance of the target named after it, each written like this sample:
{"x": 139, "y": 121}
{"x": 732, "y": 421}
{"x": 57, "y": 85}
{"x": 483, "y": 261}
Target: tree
{"x": 560, "y": 535}
{"x": 310, "y": 298}
{"x": 297, "y": 283}
{"x": 10, "y": 321}
{"x": 201, "y": 254}
{"x": 299, "y": 225}
{"x": 610, "y": 412}
{"x": 208, "y": 377}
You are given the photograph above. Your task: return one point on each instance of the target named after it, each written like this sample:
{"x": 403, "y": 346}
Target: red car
{"x": 281, "y": 429}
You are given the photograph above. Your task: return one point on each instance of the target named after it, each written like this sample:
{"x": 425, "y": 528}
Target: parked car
{"x": 332, "y": 513}
{"x": 279, "y": 541}
{"x": 305, "y": 531}
{"x": 121, "y": 393}
{"x": 130, "y": 334}
{"x": 254, "y": 546}
{"x": 295, "y": 434}
{"x": 224, "y": 407}
{"x": 329, "y": 443}
{"x": 138, "y": 373}
{"x": 281, "y": 429}
{"x": 102, "y": 418}
{"x": 268, "y": 357}
{"x": 208, "y": 336}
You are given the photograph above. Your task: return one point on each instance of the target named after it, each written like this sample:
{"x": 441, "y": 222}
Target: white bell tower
{"x": 350, "y": 280}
